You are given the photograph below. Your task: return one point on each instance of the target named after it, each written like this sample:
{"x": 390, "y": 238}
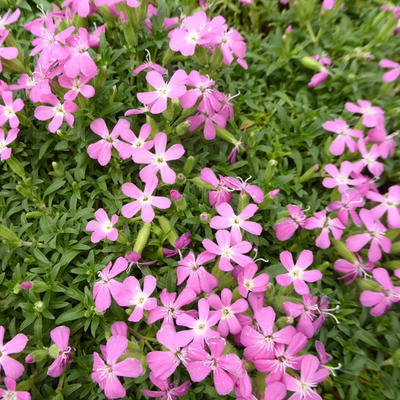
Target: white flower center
{"x": 236, "y": 221}
{"x": 106, "y": 372}
{"x": 226, "y": 252}
{"x": 77, "y": 85}
{"x": 144, "y": 199}
{"x": 3, "y": 146}
{"x": 192, "y": 37}
{"x": 106, "y": 227}
{"x": 296, "y": 273}
{"x": 201, "y": 327}
{"x": 226, "y": 313}
{"x": 59, "y": 109}
{"x": 164, "y": 90}
{"x": 248, "y": 284}
{"x": 140, "y": 299}
{"x": 10, "y": 395}
{"x": 342, "y": 180}
{"x": 138, "y": 143}
{"x": 159, "y": 160}
{"x": 8, "y": 111}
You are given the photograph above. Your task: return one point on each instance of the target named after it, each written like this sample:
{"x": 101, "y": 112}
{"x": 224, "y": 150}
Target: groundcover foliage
{"x": 266, "y": 115}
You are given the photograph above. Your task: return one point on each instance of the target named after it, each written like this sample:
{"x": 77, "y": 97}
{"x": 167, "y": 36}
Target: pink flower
{"x": 260, "y": 340}
{"x": 79, "y": 60}
{"x": 133, "y": 258}
{"x": 56, "y": 113}
{"x": 119, "y": 328}
{"x": 311, "y": 374}
{"x": 103, "y": 227}
{"x": 145, "y": 201}
{"x": 107, "y": 285}
{"x": 181, "y": 243}
{"x": 12, "y": 368}
{"x": 247, "y": 282}
{"x": 383, "y": 300}
{"x": 8, "y": 112}
{"x": 371, "y": 114}
{"x": 354, "y": 269}
{"x": 77, "y": 86}
{"x": 157, "y": 100}
{"x": 394, "y": 72}
{"x": 12, "y": 392}
{"x": 223, "y": 366}
{"x": 164, "y": 363}
{"x": 158, "y": 161}
{"x": 106, "y": 373}
{"x": 389, "y": 204}
{"x": 171, "y": 306}
{"x": 351, "y": 199}
{"x": 228, "y": 322}
{"x": 8, "y": 19}
{"x": 340, "y": 179}
{"x": 131, "y": 294}
{"x": 81, "y": 7}
{"x": 369, "y": 158}
{"x": 101, "y": 150}
{"x": 232, "y": 43}
{"x": 150, "y": 66}
{"x": 8, "y": 53}
{"x": 318, "y": 78}
{"x": 169, "y": 391}
{"x": 327, "y": 224}
{"x": 200, "y": 328}
{"x": 221, "y": 194}
{"x": 228, "y": 219}
{"x": 344, "y": 138}
{"x": 228, "y": 250}
{"x": 140, "y": 141}
{"x": 198, "y": 278}
{"x": 375, "y": 234}
{"x": 5, "y": 151}
{"x": 60, "y": 337}
{"x": 296, "y": 272}
{"x": 286, "y": 229}
{"x": 26, "y": 285}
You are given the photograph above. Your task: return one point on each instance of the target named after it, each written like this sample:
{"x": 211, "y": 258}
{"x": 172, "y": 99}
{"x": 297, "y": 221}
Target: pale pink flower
{"x": 375, "y": 234}
{"x": 228, "y": 249}
{"x": 389, "y": 203}
{"x": 341, "y": 179}
{"x": 9, "y": 110}
{"x": 106, "y": 373}
{"x": 296, "y": 272}
{"x": 107, "y": 286}
{"x": 60, "y": 337}
{"x": 76, "y": 86}
{"x": 101, "y": 150}
{"x": 248, "y": 283}
{"x": 8, "y": 53}
{"x": 344, "y": 138}
{"x": 137, "y": 111}
{"x": 5, "y": 151}
{"x": 198, "y": 278}
{"x": 144, "y": 200}
{"x": 131, "y": 294}
{"x": 158, "y": 161}
{"x": 140, "y": 141}
{"x": 286, "y": 229}
{"x": 353, "y": 270}
{"x": 12, "y": 368}
{"x": 103, "y": 227}
{"x": 370, "y": 114}
{"x": 394, "y": 72}
{"x": 368, "y": 160}
{"x": 56, "y": 112}
{"x": 12, "y": 392}
{"x": 157, "y": 100}
{"x": 169, "y": 391}
{"x": 223, "y": 366}
{"x": 221, "y": 194}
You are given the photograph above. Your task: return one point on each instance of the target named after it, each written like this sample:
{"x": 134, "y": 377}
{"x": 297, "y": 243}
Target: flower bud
{"x": 54, "y": 351}
{"x": 175, "y": 195}
{"x": 26, "y": 285}
{"x": 142, "y": 238}
{"x": 168, "y": 229}
{"x": 311, "y": 63}
{"x": 36, "y": 356}
{"x": 189, "y": 164}
{"x": 343, "y": 251}
{"x": 284, "y": 321}
{"x": 309, "y": 173}
{"x": 368, "y": 284}
{"x": 57, "y": 169}
{"x": 270, "y": 170}
{"x": 39, "y": 306}
{"x": 204, "y": 218}
{"x": 274, "y": 193}
{"x": 39, "y": 286}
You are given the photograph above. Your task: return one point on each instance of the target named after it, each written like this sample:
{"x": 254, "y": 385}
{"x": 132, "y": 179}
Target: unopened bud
{"x": 54, "y": 351}
{"x": 311, "y": 63}
{"x": 39, "y": 306}
{"x": 204, "y": 218}
{"x": 175, "y": 195}
{"x": 26, "y": 285}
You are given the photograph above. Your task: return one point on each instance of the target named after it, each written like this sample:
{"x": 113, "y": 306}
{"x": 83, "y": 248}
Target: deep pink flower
{"x": 228, "y": 322}
{"x": 9, "y": 110}
{"x": 133, "y": 258}
{"x": 101, "y": 150}
{"x": 12, "y": 368}
{"x": 169, "y": 391}
{"x": 171, "y": 306}
{"x": 131, "y": 294}
{"x": 164, "y": 363}
{"x": 354, "y": 269}
{"x": 389, "y": 204}
{"x": 370, "y": 114}
{"x": 394, "y": 72}
{"x": 296, "y": 272}
{"x": 286, "y": 229}
{"x": 344, "y": 138}
{"x": 192, "y": 268}
{"x": 327, "y": 225}
{"x": 375, "y": 234}
{"x": 60, "y": 337}
{"x": 106, "y": 373}
{"x": 158, "y": 161}
{"x": 107, "y": 286}
{"x": 228, "y": 219}
{"x": 56, "y": 112}
{"x": 318, "y": 78}
{"x": 350, "y": 201}
{"x": 228, "y": 249}
{"x": 145, "y": 201}
{"x": 200, "y": 328}
{"x": 103, "y": 227}
{"x": 368, "y": 160}
{"x": 140, "y": 141}
{"x": 275, "y": 390}
{"x": 311, "y": 374}
{"x": 12, "y": 392}
{"x": 260, "y": 340}
{"x": 26, "y": 285}
{"x": 76, "y": 86}
{"x": 248, "y": 283}
{"x": 5, "y": 151}
{"x": 221, "y": 194}
{"x": 180, "y": 243}
{"x": 383, "y": 300}
{"x": 223, "y": 366}
{"x": 157, "y": 100}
